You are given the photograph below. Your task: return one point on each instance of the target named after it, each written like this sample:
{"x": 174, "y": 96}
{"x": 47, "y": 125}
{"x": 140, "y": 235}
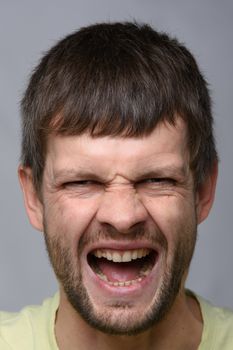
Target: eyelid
{"x": 165, "y": 179}
{"x": 88, "y": 181}
{"x": 158, "y": 180}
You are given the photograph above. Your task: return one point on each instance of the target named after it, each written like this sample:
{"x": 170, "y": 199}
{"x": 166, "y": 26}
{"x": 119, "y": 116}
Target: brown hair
{"x": 116, "y": 79}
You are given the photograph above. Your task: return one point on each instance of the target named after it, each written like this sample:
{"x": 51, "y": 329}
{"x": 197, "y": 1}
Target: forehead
{"x": 165, "y": 144}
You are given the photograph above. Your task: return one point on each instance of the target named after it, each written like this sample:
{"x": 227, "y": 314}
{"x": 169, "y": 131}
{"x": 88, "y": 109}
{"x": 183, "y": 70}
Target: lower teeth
{"x": 120, "y": 283}
{"x": 126, "y": 283}
{"x": 143, "y": 273}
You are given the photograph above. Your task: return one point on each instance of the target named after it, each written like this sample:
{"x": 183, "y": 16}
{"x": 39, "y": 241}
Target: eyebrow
{"x": 148, "y": 172}
{"x": 170, "y": 170}
{"x": 62, "y": 174}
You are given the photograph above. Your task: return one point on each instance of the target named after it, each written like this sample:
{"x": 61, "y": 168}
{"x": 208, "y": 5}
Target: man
{"x": 118, "y": 168}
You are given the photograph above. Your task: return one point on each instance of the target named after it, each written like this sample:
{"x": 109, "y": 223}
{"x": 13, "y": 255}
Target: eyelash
{"x": 159, "y": 181}
{"x": 80, "y": 183}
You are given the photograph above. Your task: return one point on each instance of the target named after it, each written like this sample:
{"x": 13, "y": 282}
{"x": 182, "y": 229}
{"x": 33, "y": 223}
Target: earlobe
{"x": 32, "y": 202}
{"x": 205, "y": 194}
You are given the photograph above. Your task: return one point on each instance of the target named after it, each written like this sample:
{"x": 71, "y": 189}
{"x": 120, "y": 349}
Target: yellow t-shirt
{"x": 30, "y": 329}
{"x": 33, "y": 327}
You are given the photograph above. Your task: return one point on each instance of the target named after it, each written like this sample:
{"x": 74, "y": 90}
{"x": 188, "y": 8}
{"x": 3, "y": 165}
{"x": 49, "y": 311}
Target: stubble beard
{"x": 121, "y": 318}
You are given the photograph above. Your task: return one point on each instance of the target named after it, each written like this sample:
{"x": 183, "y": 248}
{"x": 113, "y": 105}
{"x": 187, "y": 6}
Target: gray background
{"x": 27, "y": 29}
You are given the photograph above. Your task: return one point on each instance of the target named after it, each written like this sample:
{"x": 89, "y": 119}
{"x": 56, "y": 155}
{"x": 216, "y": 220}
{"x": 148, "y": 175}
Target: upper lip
{"x": 122, "y": 246}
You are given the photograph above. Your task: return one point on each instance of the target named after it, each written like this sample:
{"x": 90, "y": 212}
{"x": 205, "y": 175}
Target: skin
{"x": 99, "y": 192}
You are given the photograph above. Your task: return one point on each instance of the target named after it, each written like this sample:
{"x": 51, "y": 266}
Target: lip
{"x": 121, "y": 246}
{"x": 133, "y": 290}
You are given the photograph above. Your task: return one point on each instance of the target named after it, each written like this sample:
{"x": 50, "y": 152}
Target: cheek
{"x": 172, "y": 215}
{"x": 176, "y": 220}
{"x": 69, "y": 216}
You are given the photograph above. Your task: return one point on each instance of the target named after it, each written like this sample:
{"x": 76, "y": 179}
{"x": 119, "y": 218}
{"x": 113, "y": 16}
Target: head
{"x": 116, "y": 79}
{"x": 102, "y": 92}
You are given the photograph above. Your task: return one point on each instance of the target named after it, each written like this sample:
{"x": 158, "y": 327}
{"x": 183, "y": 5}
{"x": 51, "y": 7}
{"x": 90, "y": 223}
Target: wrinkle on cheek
{"x": 68, "y": 216}
{"x": 55, "y": 209}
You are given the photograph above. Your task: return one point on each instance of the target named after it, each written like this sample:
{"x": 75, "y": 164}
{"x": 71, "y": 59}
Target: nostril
{"x": 121, "y": 221}
{"x": 136, "y": 231}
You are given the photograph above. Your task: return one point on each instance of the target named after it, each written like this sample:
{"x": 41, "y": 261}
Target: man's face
{"x": 119, "y": 217}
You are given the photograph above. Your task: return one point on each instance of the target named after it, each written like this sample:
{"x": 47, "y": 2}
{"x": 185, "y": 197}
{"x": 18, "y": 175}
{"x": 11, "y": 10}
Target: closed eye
{"x": 159, "y": 180}
{"x": 81, "y": 183}
{"x": 157, "y": 186}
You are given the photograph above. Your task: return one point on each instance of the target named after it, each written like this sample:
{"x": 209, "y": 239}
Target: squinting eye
{"x": 159, "y": 180}
{"x": 80, "y": 183}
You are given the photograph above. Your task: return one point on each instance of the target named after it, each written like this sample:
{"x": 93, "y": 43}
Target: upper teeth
{"x": 121, "y": 256}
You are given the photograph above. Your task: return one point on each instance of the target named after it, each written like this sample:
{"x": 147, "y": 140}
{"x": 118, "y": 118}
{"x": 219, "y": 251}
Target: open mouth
{"x": 122, "y": 268}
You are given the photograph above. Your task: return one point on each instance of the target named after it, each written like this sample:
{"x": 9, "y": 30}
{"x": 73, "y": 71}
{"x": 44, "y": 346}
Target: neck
{"x": 183, "y": 319}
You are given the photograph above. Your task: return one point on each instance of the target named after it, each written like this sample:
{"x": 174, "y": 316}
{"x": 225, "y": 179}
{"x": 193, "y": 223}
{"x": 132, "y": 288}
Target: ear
{"x": 32, "y": 202}
{"x": 205, "y": 194}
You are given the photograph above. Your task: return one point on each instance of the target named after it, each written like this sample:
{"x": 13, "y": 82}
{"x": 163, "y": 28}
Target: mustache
{"x": 109, "y": 233}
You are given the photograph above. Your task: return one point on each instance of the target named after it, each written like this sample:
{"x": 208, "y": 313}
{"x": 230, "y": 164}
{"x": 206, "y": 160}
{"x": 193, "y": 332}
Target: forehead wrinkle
{"x": 152, "y": 162}
{"x": 109, "y": 157}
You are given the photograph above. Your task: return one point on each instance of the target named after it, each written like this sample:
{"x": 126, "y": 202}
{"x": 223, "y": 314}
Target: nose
{"x": 122, "y": 209}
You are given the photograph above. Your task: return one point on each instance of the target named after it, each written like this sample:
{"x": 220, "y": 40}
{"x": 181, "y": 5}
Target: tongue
{"x": 116, "y": 272}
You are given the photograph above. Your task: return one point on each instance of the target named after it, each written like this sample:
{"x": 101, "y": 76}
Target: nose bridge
{"x": 121, "y": 208}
